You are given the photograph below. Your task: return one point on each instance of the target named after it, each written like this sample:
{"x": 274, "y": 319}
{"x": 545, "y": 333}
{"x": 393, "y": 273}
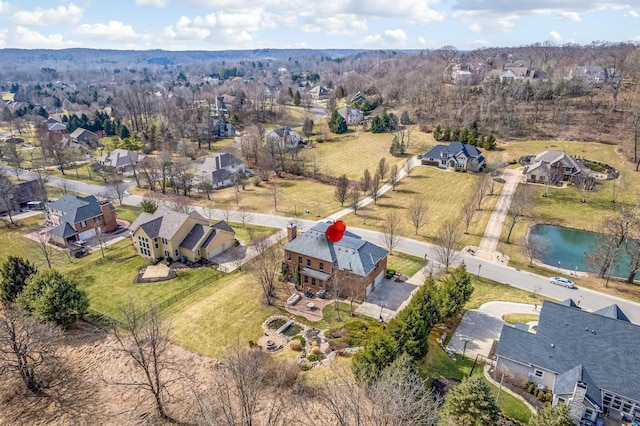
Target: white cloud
{"x": 568, "y": 16}
{"x": 4, "y": 7}
{"x": 154, "y": 3}
{"x": 112, "y": 31}
{"x": 38, "y": 17}
{"x": 631, "y": 14}
{"x": 185, "y": 30}
{"x": 341, "y": 24}
{"x": 390, "y": 38}
{"x": 499, "y": 26}
{"x": 411, "y": 10}
{"x": 481, "y": 43}
{"x": 27, "y": 39}
{"x": 4, "y": 36}
{"x": 555, "y": 36}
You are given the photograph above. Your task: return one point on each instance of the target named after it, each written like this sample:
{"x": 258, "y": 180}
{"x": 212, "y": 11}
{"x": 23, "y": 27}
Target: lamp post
{"x": 479, "y": 266}
{"x": 382, "y": 305}
{"x": 465, "y": 339}
{"x": 558, "y": 266}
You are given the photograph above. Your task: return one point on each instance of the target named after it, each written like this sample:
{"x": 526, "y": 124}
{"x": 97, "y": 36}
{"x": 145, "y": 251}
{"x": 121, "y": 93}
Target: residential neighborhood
{"x": 378, "y": 233}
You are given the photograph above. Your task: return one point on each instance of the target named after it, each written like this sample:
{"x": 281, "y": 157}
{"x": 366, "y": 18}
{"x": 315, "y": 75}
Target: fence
{"x": 182, "y": 294}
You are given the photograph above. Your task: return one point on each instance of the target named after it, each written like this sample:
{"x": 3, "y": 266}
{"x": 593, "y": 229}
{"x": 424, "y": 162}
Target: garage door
{"x": 368, "y": 289}
{"x": 378, "y": 279}
{"x": 87, "y": 234}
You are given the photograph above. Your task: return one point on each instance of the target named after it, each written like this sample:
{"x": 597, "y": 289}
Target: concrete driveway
{"x": 479, "y": 328}
{"x": 389, "y": 297}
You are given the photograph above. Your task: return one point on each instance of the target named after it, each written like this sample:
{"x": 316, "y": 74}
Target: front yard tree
{"x": 446, "y": 242}
{"x": 27, "y": 348}
{"x": 44, "y": 249}
{"x": 468, "y": 211}
{"x": 307, "y": 127}
{"x": 342, "y": 189}
{"x": 481, "y": 189}
{"x": 520, "y": 205}
{"x": 144, "y": 338}
{"x": 557, "y": 415}
{"x": 51, "y": 296}
{"x": 15, "y": 271}
{"x": 417, "y": 213}
{"x": 115, "y": 189}
{"x": 391, "y": 230}
{"x": 383, "y": 169}
{"x": 471, "y": 403}
{"x": 454, "y": 292}
{"x": 14, "y": 158}
{"x": 394, "y": 176}
{"x": 376, "y": 184}
{"x": 354, "y": 199}
{"x": 365, "y": 182}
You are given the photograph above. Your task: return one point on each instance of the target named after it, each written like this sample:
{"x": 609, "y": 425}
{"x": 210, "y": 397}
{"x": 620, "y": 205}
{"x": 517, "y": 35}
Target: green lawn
{"x": 438, "y": 364}
{"x": 428, "y": 183}
{"x": 525, "y": 318}
{"x": 405, "y": 263}
{"x": 486, "y": 290}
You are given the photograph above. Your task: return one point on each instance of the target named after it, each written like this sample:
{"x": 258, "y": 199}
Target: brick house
{"x": 453, "y": 156}
{"x": 351, "y": 265}
{"x": 554, "y": 167}
{"x": 79, "y": 218}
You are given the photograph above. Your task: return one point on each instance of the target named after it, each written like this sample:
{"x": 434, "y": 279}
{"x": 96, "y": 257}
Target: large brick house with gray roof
{"x": 351, "y": 265}
{"x": 588, "y": 360}
{"x": 78, "y": 218}
{"x": 170, "y": 234}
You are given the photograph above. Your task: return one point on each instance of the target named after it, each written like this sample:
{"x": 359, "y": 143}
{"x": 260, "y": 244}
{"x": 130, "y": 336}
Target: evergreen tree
{"x": 471, "y": 403}
{"x": 404, "y": 118}
{"x": 379, "y": 352}
{"x": 307, "y": 127}
{"x": 437, "y": 133}
{"x": 454, "y": 292}
{"x": 464, "y": 135}
{"x": 446, "y": 135}
{"x": 377, "y": 125}
{"x": 337, "y": 124}
{"x": 395, "y": 149}
{"x": 455, "y": 135}
{"x": 53, "y": 297}
{"x": 552, "y": 416}
{"x": 296, "y": 98}
{"x": 15, "y": 271}
{"x": 489, "y": 142}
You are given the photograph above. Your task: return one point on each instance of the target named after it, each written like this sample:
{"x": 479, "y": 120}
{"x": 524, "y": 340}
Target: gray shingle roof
{"x": 223, "y": 226}
{"x": 194, "y": 238}
{"x": 612, "y": 311}
{"x": 64, "y": 230}
{"x": 219, "y": 161}
{"x": 566, "y": 336}
{"x": 453, "y": 148}
{"x": 76, "y": 208}
{"x": 351, "y": 252}
{"x": 163, "y": 223}
{"x": 121, "y": 158}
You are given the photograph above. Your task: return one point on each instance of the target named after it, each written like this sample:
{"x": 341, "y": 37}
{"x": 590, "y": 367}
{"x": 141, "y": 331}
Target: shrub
{"x": 252, "y": 344}
{"x": 295, "y": 345}
{"x": 547, "y": 404}
{"x": 315, "y": 350}
{"x": 300, "y": 339}
{"x": 548, "y": 396}
{"x": 541, "y": 396}
{"x": 390, "y": 273}
{"x": 315, "y": 357}
{"x": 305, "y": 367}
{"x": 530, "y": 387}
{"x": 338, "y": 344}
{"x": 536, "y": 391}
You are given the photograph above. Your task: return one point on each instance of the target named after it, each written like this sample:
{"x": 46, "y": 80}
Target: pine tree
{"x": 552, "y": 416}
{"x": 15, "y": 271}
{"x": 437, "y": 133}
{"x": 454, "y": 292}
{"x": 446, "y": 135}
{"x": 471, "y": 403}
{"x": 296, "y": 98}
{"x": 395, "y": 149}
{"x": 337, "y": 124}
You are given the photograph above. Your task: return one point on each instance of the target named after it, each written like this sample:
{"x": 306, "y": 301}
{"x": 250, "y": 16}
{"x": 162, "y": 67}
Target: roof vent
{"x": 593, "y": 332}
{"x": 553, "y": 345}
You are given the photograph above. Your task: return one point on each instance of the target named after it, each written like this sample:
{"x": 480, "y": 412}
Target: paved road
{"x": 479, "y": 328}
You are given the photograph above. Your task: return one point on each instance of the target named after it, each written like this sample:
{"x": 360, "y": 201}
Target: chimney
{"x": 292, "y": 231}
{"x": 217, "y": 162}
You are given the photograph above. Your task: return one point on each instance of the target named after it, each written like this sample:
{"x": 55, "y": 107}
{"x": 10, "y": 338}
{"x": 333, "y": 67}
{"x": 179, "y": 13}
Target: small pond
{"x": 291, "y": 331}
{"x": 568, "y": 247}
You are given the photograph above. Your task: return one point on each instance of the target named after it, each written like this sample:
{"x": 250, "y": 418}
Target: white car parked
{"x": 562, "y": 281}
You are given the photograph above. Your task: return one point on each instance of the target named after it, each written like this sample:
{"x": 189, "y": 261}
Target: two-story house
{"x": 284, "y": 138}
{"x": 588, "y": 360}
{"x": 456, "y": 155}
{"x": 352, "y": 116}
{"x": 173, "y": 235}
{"x": 84, "y": 136}
{"x": 554, "y": 167}
{"x": 220, "y": 170}
{"x": 79, "y": 218}
{"x": 350, "y": 266}
{"x": 122, "y": 160}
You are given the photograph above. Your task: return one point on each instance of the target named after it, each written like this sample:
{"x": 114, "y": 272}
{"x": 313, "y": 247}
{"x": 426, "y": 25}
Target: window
{"x": 321, "y": 266}
{"x": 309, "y": 262}
{"x": 299, "y": 259}
{"x": 616, "y": 403}
{"x": 288, "y": 256}
{"x": 306, "y": 279}
{"x": 164, "y": 241}
{"x": 626, "y": 407}
{"x": 155, "y": 242}
{"x": 313, "y": 281}
{"x": 320, "y": 283}
{"x": 166, "y": 253}
{"x": 606, "y": 400}
{"x": 83, "y": 224}
{"x": 538, "y": 373}
{"x": 177, "y": 253}
{"x": 145, "y": 252}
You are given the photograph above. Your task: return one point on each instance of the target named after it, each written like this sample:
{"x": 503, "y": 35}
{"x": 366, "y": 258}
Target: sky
{"x": 313, "y": 24}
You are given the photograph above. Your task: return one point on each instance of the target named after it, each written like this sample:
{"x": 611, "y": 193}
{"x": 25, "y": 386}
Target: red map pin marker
{"x": 335, "y": 231}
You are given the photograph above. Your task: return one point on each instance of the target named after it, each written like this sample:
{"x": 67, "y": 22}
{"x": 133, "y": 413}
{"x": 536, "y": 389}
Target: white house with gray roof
{"x": 220, "y": 170}
{"x": 588, "y": 360}
{"x": 351, "y": 265}
{"x": 121, "y": 159}
{"x": 284, "y": 138}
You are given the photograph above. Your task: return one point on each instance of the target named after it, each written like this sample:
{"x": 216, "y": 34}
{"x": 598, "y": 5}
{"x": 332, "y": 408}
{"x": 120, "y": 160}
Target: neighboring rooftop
{"x": 163, "y": 223}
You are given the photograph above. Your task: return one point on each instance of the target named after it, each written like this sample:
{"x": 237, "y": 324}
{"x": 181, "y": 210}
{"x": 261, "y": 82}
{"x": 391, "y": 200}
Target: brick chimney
{"x": 292, "y": 231}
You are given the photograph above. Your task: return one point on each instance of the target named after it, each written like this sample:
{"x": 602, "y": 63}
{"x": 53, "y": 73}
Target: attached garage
{"x": 87, "y": 234}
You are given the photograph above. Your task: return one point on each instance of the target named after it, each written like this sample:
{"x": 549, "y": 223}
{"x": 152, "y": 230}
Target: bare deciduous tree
{"x": 44, "y": 249}
{"x": 274, "y": 193}
{"x": 391, "y": 229}
{"x": 245, "y": 216}
{"x": 481, "y": 189}
{"x": 342, "y": 189}
{"x": 354, "y": 199}
{"x": 534, "y": 247}
{"x": 468, "y": 211}
{"x": 376, "y": 184}
{"x": 365, "y": 182}
{"x": 446, "y": 240}
{"x": 7, "y": 189}
{"x": 144, "y": 338}
{"x": 417, "y": 213}
{"x": 14, "y": 158}
{"x": 520, "y": 206}
{"x": 394, "y": 176}
{"x": 115, "y": 189}
{"x": 179, "y": 204}
{"x": 383, "y": 169}
{"x": 265, "y": 266}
